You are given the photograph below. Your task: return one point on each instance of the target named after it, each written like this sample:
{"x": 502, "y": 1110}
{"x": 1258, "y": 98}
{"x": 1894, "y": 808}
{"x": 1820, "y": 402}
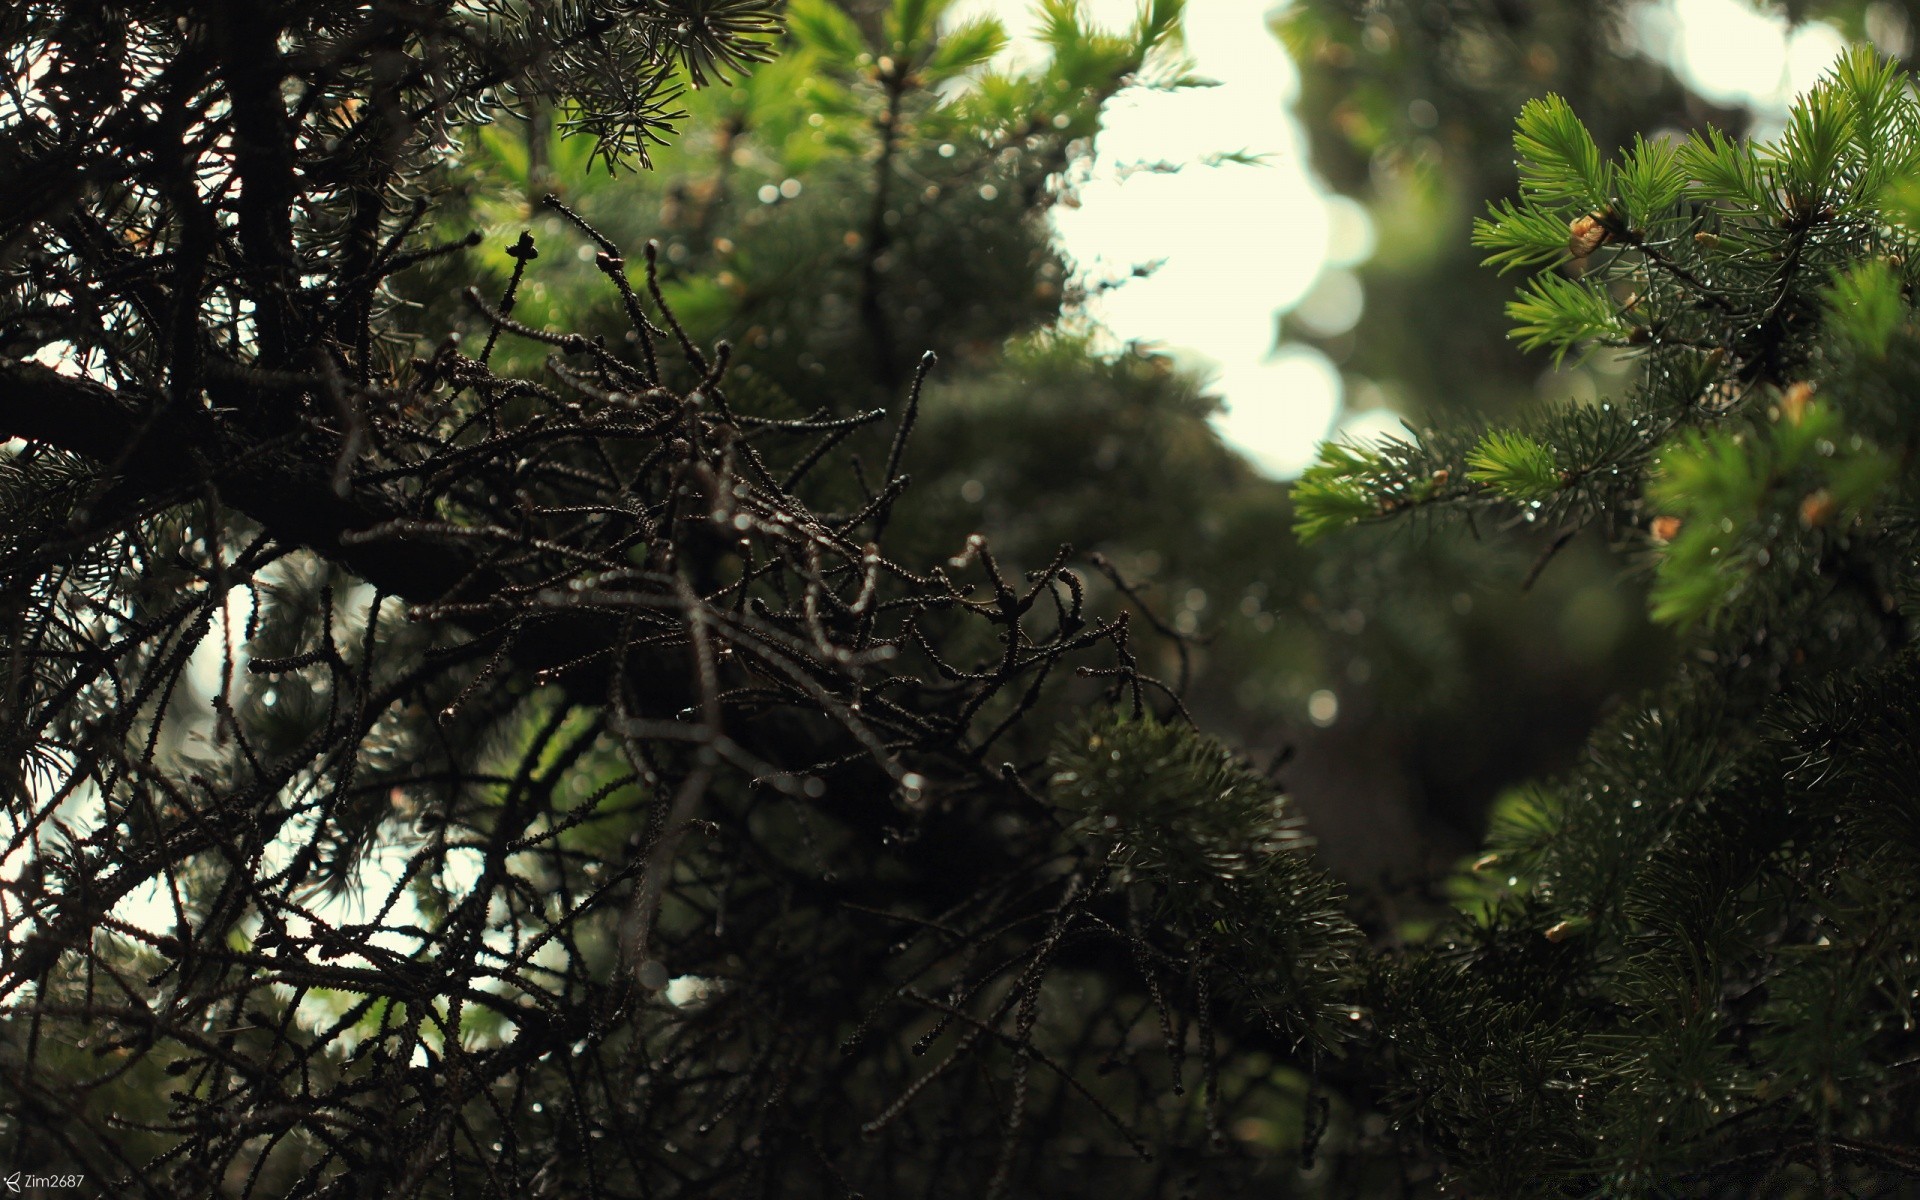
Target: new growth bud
{"x": 1585, "y": 235}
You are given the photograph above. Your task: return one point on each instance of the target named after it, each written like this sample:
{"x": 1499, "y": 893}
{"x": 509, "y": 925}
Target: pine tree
{"x": 478, "y": 739}
{"x": 1687, "y": 967}
{"x": 488, "y": 710}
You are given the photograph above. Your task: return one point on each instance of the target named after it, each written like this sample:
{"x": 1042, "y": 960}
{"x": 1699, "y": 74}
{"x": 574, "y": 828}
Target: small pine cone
{"x": 1794, "y": 401}
{"x": 1817, "y": 509}
{"x": 1585, "y": 235}
{"x": 1722, "y": 397}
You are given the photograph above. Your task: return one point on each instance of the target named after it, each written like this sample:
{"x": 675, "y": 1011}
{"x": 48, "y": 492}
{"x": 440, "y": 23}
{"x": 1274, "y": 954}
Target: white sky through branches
{"x": 1237, "y": 245}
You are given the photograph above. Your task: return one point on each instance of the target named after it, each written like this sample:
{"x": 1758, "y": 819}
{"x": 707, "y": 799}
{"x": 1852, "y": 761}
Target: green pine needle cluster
{"x": 1559, "y": 163}
{"x": 1334, "y": 492}
{"x": 1736, "y": 274}
{"x": 1707, "y": 951}
{"x": 1209, "y": 847}
{"x": 1515, "y": 465}
{"x": 1694, "y": 952}
{"x": 1866, "y": 306}
{"x": 1743, "y": 497}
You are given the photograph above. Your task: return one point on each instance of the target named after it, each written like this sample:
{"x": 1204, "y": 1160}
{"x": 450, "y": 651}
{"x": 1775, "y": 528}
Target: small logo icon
{"x": 13, "y": 1183}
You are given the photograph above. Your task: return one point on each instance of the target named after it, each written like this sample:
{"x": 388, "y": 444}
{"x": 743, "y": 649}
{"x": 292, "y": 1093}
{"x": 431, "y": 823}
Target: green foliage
{"x": 427, "y": 863}
{"x": 1514, "y": 465}
{"x": 1332, "y": 493}
{"x": 1741, "y": 498}
{"x": 1807, "y": 158}
{"x": 1609, "y": 995}
{"x": 867, "y": 194}
{"x": 825, "y": 28}
{"x": 1847, "y": 142}
{"x": 1560, "y": 314}
{"x": 1207, "y": 843}
{"x": 1706, "y": 259}
{"x": 908, "y": 27}
{"x": 1559, "y": 163}
{"x": 1675, "y": 957}
{"x": 964, "y": 48}
{"x": 1865, "y": 306}
{"x": 1722, "y": 169}
{"x": 658, "y": 697}
{"x": 1651, "y": 180}
{"x": 1521, "y": 237}
{"x": 1718, "y": 487}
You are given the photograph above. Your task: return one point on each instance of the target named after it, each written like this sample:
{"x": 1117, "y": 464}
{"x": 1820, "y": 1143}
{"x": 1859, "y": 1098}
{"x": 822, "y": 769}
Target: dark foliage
{"x": 549, "y": 783}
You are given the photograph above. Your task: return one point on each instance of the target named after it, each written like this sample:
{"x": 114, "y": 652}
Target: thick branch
{"x": 291, "y": 498}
